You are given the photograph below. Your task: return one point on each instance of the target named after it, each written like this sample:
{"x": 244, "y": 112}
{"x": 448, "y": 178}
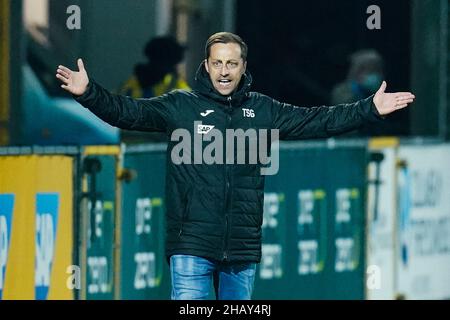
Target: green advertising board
{"x": 143, "y": 266}
{"x": 97, "y": 237}
{"x": 313, "y": 226}
{"x": 313, "y": 229}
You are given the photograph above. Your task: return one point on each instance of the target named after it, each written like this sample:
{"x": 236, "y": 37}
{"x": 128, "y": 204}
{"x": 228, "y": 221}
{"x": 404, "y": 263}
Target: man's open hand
{"x": 73, "y": 81}
{"x": 390, "y": 102}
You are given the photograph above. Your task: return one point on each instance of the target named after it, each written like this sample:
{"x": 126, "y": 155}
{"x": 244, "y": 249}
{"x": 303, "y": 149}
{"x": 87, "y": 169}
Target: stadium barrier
{"x": 423, "y": 221}
{"x": 36, "y": 222}
{"x": 313, "y": 229}
{"x": 408, "y": 238}
{"x": 99, "y": 213}
{"x": 343, "y": 219}
{"x": 144, "y": 272}
{"x": 57, "y": 222}
{"x": 381, "y": 219}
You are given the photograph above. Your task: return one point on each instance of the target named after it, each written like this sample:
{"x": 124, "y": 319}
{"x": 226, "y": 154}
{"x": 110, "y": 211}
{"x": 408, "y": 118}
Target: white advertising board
{"x": 423, "y": 226}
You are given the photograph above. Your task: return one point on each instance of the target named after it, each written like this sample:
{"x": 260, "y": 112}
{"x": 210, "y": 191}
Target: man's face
{"x": 225, "y": 67}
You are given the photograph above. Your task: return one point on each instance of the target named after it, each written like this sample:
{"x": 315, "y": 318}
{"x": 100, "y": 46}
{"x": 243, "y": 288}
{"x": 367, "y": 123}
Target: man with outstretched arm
{"x": 215, "y": 209}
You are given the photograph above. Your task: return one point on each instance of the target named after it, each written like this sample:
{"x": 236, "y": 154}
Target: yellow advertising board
{"x": 36, "y": 207}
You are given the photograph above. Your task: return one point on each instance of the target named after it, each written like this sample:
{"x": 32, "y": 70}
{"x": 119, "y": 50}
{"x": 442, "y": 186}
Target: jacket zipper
{"x": 227, "y": 189}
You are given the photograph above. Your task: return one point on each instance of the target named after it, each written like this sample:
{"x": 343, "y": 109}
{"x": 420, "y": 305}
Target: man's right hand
{"x": 74, "y": 82}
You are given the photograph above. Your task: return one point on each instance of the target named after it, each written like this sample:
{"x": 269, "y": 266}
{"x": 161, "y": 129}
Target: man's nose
{"x": 224, "y": 71}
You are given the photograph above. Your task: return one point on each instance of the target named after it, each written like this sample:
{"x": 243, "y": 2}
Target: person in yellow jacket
{"x": 157, "y": 76}
{"x": 169, "y": 82}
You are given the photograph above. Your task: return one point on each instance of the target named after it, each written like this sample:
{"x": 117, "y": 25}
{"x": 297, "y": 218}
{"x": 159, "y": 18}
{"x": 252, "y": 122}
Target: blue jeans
{"x": 193, "y": 277}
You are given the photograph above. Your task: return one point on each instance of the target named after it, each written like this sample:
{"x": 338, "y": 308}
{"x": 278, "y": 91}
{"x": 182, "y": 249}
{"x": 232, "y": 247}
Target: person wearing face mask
{"x": 364, "y": 77}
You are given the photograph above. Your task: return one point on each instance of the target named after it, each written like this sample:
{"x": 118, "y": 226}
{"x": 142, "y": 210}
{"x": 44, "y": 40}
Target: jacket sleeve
{"x": 324, "y": 121}
{"x": 153, "y": 114}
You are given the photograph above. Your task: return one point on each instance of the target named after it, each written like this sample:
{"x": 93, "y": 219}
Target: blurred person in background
{"x": 158, "y": 75}
{"x": 364, "y": 77}
{"x": 214, "y": 212}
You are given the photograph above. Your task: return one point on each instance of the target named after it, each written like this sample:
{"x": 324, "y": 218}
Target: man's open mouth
{"x": 224, "y": 83}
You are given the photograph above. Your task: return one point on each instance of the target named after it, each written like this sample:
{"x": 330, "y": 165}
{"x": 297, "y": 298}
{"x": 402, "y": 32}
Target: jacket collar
{"x": 204, "y": 86}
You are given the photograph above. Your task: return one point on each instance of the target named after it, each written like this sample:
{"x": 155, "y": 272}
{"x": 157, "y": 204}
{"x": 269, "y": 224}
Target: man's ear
{"x": 206, "y": 65}
{"x": 245, "y": 66}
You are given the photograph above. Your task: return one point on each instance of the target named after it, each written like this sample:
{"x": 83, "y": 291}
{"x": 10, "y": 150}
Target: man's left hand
{"x": 390, "y": 102}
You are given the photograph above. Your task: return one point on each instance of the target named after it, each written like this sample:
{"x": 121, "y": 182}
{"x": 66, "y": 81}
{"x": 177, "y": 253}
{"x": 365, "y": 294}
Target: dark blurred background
{"x": 298, "y": 52}
{"x": 301, "y": 49}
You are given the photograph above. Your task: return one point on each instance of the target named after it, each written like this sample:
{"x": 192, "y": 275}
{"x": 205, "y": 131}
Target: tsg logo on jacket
{"x": 248, "y": 113}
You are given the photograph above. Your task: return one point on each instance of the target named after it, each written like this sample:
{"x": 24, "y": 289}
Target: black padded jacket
{"x": 215, "y": 210}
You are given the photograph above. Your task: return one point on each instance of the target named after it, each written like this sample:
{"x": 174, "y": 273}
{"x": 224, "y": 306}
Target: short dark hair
{"x": 226, "y": 37}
